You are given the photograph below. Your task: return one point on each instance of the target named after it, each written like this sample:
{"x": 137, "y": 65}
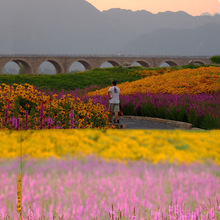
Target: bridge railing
{"x": 99, "y": 55}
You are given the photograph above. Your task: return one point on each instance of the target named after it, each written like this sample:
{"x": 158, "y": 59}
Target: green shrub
{"x": 181, "y": 115}
{"x": 215, "y": 59}
{"x": 209, "y": 123}
{"x": 128, "y": 109}
{"x": 147, "y": 109}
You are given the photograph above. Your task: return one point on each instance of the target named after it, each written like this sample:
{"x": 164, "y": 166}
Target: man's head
{"x": 114, "y": 83}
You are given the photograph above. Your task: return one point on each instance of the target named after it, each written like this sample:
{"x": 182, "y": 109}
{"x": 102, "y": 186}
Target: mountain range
{"x": 77, "y": 27}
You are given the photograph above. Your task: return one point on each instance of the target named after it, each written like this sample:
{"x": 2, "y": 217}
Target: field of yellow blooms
{"x": 192, "y": 81}
{"x": 149, "y": 72}
{"x": 151, "y": 145}
{"x": 23, "y": 107}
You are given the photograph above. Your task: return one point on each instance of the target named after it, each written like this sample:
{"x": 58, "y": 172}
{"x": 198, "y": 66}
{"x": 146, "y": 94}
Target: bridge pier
{"x": 1, "y": 68}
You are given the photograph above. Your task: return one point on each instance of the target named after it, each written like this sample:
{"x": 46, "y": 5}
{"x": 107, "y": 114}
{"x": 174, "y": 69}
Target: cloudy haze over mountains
{"x": 76, "y": 27}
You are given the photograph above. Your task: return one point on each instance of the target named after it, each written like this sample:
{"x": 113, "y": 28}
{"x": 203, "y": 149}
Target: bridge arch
{"x": 142, "y": 63}
{"x": 196, "y": 62}
{"x": 81, "y": 64}
{"x": 76, "y": 66}
{"x": 20, "y": 62}
{"x": 169, "y": 62}
{"x": 112, "y": 62}
{"x": 56, "y": 64}
{"x": 46, "y": 67}
{"x": 85, "y": 63}
{"x": 11, "y": 68}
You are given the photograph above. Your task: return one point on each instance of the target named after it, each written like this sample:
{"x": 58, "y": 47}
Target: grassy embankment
{"x": 80, "y": 80}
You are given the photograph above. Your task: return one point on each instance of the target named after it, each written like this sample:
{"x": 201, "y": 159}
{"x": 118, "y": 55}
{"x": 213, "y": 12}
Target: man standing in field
{"x": 114, "y": 101}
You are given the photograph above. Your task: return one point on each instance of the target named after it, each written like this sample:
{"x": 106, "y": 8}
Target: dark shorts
{"x": 114, "y": 107}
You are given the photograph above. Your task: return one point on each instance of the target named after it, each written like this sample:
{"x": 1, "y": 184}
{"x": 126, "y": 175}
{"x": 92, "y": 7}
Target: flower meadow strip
{"x": 148, "y": 72}
{"x": 201, "y": 110}
{"x": 192, "y": 81}
{"x": 172, "y": 146}
{"x": 24, "y": 107}
{"x": 9, "y": 170}
{"x": 86, "y": 189}
{"x": 198, "y": 109}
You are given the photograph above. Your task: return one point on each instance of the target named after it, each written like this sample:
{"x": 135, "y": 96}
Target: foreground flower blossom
{"x": 167, "y": 146}
{"x": 87, "y": 188}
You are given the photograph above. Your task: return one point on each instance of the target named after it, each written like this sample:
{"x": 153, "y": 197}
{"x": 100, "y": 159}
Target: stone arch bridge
{"x": 62, "y": 63}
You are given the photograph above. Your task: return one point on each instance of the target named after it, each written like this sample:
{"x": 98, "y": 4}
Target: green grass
{"x": 71, "y": 81}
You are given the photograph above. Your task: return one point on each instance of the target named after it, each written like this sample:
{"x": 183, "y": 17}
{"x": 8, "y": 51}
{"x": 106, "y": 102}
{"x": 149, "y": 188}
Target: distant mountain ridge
{"x": 201, "y": 40}
{"x": 77, "y": 27}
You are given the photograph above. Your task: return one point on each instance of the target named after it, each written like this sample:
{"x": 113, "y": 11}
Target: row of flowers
{"x": 149, "y": 72}
{"x": 201, "y": 110}
{"x": 65, "y": 110}
{"x": 192, "y": 81}
{"x": 190, "y": 95}
{"x": 24, "y": 107}
{"x": 172, "y": 146}
{"x": 85, "y": 190}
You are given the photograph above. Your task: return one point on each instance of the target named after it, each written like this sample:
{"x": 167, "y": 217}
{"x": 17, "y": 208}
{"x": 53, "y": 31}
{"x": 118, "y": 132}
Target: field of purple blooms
{"x": 201, "y": 110}
{"x": 87, "y": 189}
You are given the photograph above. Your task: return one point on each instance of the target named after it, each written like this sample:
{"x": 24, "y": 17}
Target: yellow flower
{"x": 19, "y": 194}
{"x": 173, "y": 146}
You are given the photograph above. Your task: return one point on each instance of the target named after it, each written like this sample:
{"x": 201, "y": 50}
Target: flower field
{"x": 87, "y": 189}
{"x": 81, "y": 173}
{"x": 24, "y": 107}
{"x": 52, "y": 169}
{"x": 201, "y": 110}
{"x": 150, "y": 145}
{"x": 190, "y": 95}
{"x": 191, "y": 81}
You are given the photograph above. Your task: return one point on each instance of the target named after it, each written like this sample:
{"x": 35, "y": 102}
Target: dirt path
{"x": 136, "y": 122}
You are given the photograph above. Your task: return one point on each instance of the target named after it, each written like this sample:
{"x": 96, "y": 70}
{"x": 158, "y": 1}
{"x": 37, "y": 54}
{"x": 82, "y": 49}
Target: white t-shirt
{"x": 114, "y": 93}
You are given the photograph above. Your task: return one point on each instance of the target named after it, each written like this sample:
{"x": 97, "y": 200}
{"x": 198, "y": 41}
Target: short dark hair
{"x": 114, "y": 83}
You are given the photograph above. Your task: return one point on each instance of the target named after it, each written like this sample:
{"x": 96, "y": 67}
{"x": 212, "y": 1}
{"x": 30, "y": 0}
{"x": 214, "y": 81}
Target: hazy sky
{"x": 193, "y": 7}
